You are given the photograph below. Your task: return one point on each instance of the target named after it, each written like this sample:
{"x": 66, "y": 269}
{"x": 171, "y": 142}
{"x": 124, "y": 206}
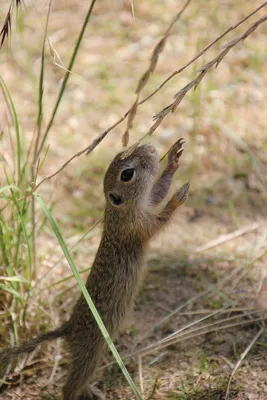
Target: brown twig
{"x": 158, "y": 49}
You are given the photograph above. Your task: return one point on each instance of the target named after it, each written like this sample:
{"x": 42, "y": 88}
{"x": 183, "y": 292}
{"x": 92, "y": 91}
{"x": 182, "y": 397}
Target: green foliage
{"x": 203, "y": 367}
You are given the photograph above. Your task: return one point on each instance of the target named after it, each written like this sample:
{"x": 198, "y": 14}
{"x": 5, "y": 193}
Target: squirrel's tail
{"x": 8, "y": 355}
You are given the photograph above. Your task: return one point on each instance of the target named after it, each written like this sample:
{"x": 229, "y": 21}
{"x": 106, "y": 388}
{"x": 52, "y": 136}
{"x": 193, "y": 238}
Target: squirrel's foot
{"x": 174, "y": 155}
{"x": 92, "y": 393}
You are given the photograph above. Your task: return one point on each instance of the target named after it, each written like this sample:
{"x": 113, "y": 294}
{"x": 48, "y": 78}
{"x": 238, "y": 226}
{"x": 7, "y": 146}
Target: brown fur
{"x": 118, "y": 266}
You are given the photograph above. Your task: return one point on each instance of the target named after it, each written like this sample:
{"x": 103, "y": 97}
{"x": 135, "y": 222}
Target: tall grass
{"x": 18, "y": 224}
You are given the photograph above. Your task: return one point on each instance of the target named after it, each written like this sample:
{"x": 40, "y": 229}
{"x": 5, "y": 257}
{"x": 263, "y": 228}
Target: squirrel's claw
{"x": 175, "y": 153}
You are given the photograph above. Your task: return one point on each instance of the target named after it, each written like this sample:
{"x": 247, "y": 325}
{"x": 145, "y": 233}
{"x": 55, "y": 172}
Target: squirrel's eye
{"x": 127, "y": 174}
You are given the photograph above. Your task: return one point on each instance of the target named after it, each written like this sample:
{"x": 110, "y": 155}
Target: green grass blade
{"x": 16, "y": 124}
{"x": 14, "y": 292}
{"x": 67, "y": 74}
{"x": 67, "y": 278}
{"x": 4, "y": 188}
{"x": 41, "y": 88}
{"x": 19, "y": 279}
{"x": 3, "y": 247}
{"x": 87, "y": 296}
{"x": 61, "y": 258}
{"x": 22, "y": 227}
{"x": 17, "y": 235}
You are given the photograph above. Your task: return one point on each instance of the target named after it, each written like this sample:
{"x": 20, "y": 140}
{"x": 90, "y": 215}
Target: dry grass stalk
{"x": 242, "y": 357}
{"x": 36, "y": 286}
{"x": 191, "y": 324}
{"x": 166, "y": 110}
{"x": 146, "y": 75}
{"x": 247, "y": 269}
{"x": 132, "y": 9}
{"x": 188, "y": 335}
{"x": 236, "y": 275}
{"x": 6, "y": 29}
{"x": 87, "y": 150}
{"x": 203, "y": 70}
{"x": 180, "y": 332}
{"x": 227, "y": 237}
{"x": 206, "y": 48}
{"x": 158, "y": 118}
{"x": 221, "y": 311}
{"x": 140, "y": 373}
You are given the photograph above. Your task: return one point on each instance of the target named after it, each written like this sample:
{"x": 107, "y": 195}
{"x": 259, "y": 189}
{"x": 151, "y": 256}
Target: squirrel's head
{"x": 127, "y": 181}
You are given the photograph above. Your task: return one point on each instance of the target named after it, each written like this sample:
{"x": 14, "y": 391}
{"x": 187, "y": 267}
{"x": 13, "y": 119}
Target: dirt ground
{"x": 224, "y": 123}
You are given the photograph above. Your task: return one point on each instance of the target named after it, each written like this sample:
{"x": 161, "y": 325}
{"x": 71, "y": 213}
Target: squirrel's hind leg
{"x": 91, "y": 393}
{"x": 87, "y": 393}
{"x": 76, "y": 389}
{"x": 81, "y": 371}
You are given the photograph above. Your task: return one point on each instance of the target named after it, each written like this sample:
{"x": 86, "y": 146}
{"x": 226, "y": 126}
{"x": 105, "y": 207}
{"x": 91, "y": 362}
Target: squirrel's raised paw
{"x": 180, "y": 196}
{"x": 175, "y": 153}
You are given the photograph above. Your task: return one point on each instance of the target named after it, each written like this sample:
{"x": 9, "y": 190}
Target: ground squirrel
{"x": 131, "y": 219}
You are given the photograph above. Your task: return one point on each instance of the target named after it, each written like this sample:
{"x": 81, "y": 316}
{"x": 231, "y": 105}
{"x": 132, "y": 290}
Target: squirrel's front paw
{"x": 174, "y": 154}
{"x": 180, "y": 196}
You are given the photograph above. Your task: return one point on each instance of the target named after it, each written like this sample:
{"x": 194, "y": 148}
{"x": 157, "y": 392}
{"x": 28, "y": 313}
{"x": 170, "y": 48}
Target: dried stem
{"x": 180, "y": 333}
{"x": 6, "y": 29}
{"x": 41, "y": 90}
{"x": 242, "y": 357}
{"x": 159, "y": 117}
{"x": 87, "y": 150}
{"x": 228, "y": 237}
{"x": 6, "y": 26}
{"x": 179, "y": 96}
{"x": 189, "y": 335}
{"x": 146, "y": 350}
{"x": 206, "y": 48}
{"x": 36, "y": 139}
{"x": 66, "y": 77}
{"x": 158, "y": 49}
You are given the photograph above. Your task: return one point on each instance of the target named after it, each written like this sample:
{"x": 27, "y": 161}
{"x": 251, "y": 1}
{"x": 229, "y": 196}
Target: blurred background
{"x": 223, "y": 122}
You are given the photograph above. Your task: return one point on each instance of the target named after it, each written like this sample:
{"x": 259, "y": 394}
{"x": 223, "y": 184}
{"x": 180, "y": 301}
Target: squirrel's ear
{"x": 115, "y": 199}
